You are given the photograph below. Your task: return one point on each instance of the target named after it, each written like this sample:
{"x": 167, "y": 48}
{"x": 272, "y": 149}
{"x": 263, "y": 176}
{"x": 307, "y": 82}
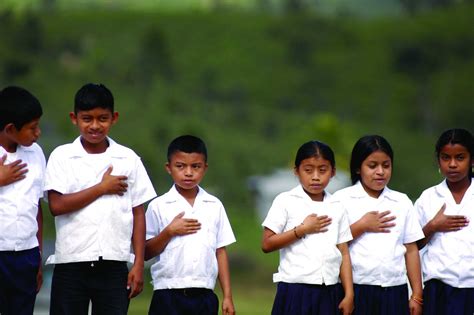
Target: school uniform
{"x": 378, "y": 259}
{"x": 19, "y": 248}
{"x": 308, "y": 273}
{"x": 185, "y": 273}
{"x": 93, "y": 244}
{"x": 448, "y": 258}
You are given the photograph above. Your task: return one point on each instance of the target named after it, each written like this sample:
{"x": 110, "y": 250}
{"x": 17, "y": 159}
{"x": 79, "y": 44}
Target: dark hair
{"x": 187, "y": 144}
{"x": 314, "y": 149}
{"x": 456, "y": 136}
{"x": 18, "y": 106}
{"x": 364, "y": 147}
{"x": 91, "y": 96}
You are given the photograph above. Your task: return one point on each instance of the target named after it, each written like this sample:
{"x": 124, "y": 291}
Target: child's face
{"x": 28, "y": 134}
{"x": 375, "y": 173}
{"x": 454, "y": 162}
{"x": 94, "y": 126}
{"x": 314, "y": 174}
{"x": 187, "y": 169}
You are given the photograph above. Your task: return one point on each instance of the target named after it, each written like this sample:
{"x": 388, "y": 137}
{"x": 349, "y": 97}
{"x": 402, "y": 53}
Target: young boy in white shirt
{"x": 96, "y": 190}
{"x": 22, "y": 165}
{"x": 187, "y": 231}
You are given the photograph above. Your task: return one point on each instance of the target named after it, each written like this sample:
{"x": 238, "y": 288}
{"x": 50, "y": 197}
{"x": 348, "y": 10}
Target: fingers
{"x": 180, "y": 215}
{"x": 442, "y": 208}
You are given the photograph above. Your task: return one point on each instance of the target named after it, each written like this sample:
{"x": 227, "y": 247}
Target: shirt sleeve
{"x": 152, "y": 221}
{"x": 225, "y": 235}
{"x": 277, "y": 216}
{"x": 413, "y": 231}
{"x": 345, "y": 234}
{"x": 142, "y": 189}
{"x": 54, "y": 175}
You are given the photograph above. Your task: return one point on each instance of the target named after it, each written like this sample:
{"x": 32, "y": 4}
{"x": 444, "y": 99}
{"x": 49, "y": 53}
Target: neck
{"x": 460, "y": 186}
{"x": 188, "y": 194}
{"x": 7, "y": 144}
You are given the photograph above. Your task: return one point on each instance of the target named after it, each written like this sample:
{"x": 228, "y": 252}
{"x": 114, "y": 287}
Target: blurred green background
{"x": 254, "y": 79}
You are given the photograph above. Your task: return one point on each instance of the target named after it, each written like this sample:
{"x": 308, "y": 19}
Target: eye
{"x": 460, "y": 157}
{"x": 323, "y": 170}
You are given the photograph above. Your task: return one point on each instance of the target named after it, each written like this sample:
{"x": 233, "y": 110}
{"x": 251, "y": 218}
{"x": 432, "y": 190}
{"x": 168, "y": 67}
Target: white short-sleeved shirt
{"x": 448, "y": 256}
{"x": 19, "y": 200}
{"x": 104, "y": 227}
{"x": 379, "y": 258}
{"x": 188, "y": 261}
{"x": 314, "y": 259}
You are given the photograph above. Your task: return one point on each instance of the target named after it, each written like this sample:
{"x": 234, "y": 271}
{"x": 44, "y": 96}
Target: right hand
{"x": 378, "y": 222}
{"x": 315, "y": 224}
{"x": 448, "y": 223}
{"x": 113, "y": 185}
{"x": 13, "y": 172}
{"x": 182, "y": 226}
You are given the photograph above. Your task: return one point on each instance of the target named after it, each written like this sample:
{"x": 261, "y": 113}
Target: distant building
{"x": 266, "y": 188}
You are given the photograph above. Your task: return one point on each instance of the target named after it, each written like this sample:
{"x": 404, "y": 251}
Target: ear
{"x": 115, "y": 117}
{"x": 73, "y": 118}
{"x": 295, "y": 171}
{"x": 9, "y": 128}
{"x": 333, "y": 172}
{"x": 168, "y": 168}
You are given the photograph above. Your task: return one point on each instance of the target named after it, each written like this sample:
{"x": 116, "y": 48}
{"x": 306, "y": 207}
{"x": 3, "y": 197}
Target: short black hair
{"x": 456, "y": 136}
{"x": 364, "y": 147}
{"x": 187, "y": 144}
{"x": 315, "y": 148}
{"x": 93, "y": 95}
{"x": 18, "y": 106}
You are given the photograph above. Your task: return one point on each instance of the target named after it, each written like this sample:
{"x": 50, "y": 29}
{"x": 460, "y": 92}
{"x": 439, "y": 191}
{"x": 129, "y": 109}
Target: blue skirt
{"x": 442, "y": 299}
{"x": 377, "y": 300}
{"x": 307, "y": 299}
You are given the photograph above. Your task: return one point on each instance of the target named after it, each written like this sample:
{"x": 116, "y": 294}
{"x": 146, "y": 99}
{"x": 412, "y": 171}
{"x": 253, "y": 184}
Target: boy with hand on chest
{"x": 96, "y": 190}
{"x": 187, "y": 231}
{"x": 22, "y": 166}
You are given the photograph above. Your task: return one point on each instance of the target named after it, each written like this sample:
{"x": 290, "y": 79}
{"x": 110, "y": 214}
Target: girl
{"x": 385, "y": 230}
{"x": 311, "y": 234}
{"x": 445, "y": 212}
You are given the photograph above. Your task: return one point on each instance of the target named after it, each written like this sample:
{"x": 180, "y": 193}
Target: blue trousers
{"x": 377, "y": 300}
{"x": 442, "y": 299}
{"x": 188, "y": 301}
{"x": 103, "y": 282}
{"x": 307, "y": 299}
{"x": 18, "y": 270}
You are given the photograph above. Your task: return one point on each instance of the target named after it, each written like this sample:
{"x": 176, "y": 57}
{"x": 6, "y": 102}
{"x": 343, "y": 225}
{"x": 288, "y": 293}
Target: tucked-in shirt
{"x": 19, "y": 200}
{"x": 188, "y": 261}
{"x": 104, "y": 227}
{"x": 448, "y": 256}
{"x": 379, "y": 258}
{"x": 314, "y": 259}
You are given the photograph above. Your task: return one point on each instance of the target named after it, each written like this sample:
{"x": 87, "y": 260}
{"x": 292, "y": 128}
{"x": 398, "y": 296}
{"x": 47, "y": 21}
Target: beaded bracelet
{"x": 417, "y": 300}
{"x": 294, "y": 231}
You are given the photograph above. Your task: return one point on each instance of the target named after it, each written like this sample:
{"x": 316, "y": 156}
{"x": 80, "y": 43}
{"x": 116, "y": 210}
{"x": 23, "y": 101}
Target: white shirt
{"x": 379, "y": 258}
{"x": 448, "y": 256}
{"x": 104, "y": 227}
{"x": 314, "y": 259}
{"x": 19, "y": 200}
{"x": 188, "y": 261}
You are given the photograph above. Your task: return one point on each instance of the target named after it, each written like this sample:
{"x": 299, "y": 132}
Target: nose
{"x": 380, "y": 169}
{"x": 188, "y": 171}
{"x": 452, "y": 163}
{"x": 37, "y": 133}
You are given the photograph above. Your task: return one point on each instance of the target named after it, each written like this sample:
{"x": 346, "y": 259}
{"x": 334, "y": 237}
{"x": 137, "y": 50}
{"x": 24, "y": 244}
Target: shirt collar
{"x": 113, "y": 149}
{"x": 173, "y": 195}
{"x": 442, "y": 188}
{"x": 359, "y": 192}
{"x": 19, "y": 148}
{"x": 299, "y": 192}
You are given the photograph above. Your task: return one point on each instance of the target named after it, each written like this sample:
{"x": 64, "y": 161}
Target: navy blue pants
{"x": 442, "y": 299}
{"x": 189, "y": 301}
{"x": 104, "y": 283}
{"x": 377, "y": 300}
{"x": 18, "y": 270}
{"x": 307, "y": 299}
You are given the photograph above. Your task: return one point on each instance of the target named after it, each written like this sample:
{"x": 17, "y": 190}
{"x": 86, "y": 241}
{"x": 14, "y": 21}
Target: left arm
{"x": 347, "y": 304}
{"x": 224, "y": 280}
{"x": 39, "y": 236}
{"x": 412, "y": 260}
{"x": 135, "y": 276}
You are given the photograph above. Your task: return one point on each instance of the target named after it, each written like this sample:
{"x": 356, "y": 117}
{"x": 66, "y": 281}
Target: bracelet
{"x": 294, "y": 231}
{"x": 417, "y": 300}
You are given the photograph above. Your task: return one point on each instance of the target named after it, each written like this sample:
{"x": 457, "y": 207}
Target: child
{"x": 96, "y": 190}
{"x": 187, "y": 231}
{"x": 22, "y": 165}
{"x": 385, "y": 230}
{"x": 445, "y": 212}
{"x": 311, "y": 234}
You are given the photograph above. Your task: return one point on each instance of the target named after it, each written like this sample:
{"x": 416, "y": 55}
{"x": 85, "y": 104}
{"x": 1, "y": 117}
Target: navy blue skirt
{"x": 307, "y": 299}
{"x": 187, "y": 301}
{"x": 442, "y": 299}
{"x": 377, "y": 300}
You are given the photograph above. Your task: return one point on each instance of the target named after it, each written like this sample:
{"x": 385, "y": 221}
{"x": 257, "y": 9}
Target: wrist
{"x": 298, "y": 231}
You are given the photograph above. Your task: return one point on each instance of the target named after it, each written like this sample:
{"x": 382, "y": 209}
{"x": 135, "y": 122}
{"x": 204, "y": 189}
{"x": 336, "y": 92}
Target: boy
{"x": 22, "y": 165}
{"x": 187, "y": 230}
{"x": 96, "y": 190}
